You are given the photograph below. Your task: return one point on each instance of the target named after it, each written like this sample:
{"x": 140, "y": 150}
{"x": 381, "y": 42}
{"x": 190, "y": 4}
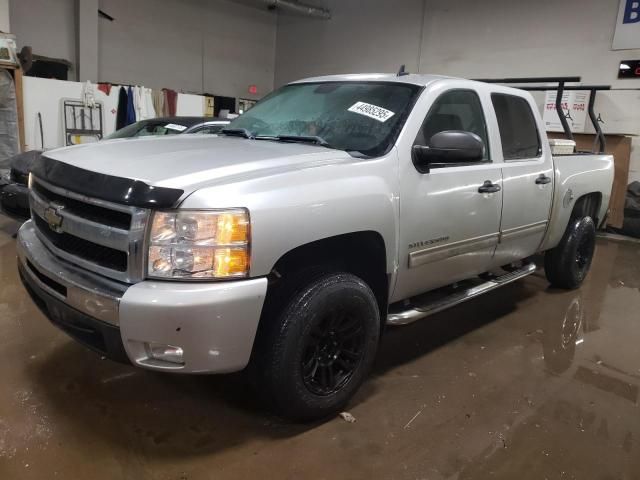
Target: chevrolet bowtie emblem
{"x": 53, "y": 217}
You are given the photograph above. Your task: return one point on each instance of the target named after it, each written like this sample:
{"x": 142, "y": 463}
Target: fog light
{"x": 165, "y": 353}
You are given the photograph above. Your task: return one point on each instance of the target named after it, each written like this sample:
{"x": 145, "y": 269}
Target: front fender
{"x": 292, "y": 208}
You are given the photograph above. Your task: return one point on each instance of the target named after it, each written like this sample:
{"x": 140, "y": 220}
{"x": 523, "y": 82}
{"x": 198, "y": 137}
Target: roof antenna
{"x": 402, "y": 72}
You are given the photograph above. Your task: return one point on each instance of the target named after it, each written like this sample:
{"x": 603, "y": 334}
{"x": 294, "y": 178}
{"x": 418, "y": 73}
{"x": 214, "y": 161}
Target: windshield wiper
{"x": 237, "y": 132}
{"x": 297, "y": 138}
{"x": 315, "y": 139}
{"x": 304, "y": 139}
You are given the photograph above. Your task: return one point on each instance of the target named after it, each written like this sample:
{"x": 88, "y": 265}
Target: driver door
{"x": 449, "y": 224}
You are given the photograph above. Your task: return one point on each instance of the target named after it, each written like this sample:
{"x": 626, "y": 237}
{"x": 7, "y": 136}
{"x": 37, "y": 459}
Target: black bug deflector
{"x": 105, "y": 187}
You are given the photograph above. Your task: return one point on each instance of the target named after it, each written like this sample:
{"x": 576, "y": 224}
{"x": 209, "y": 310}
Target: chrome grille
{"x": 113, "y": 218}
{"x": 104, "y": 237}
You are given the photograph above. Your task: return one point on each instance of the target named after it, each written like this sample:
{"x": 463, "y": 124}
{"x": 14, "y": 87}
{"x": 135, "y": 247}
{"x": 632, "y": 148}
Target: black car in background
{"x": 14, "y": 172}
{"x": 14, "y": 175}
{"x": 170, "y": 126}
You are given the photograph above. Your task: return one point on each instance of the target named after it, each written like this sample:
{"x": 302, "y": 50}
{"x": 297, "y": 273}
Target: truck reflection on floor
{"x": 580, "y": 419}
{"x": 591, "y": 347}
{"x": 561, "y": 336}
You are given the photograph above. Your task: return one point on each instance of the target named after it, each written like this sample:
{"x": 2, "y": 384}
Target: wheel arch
{"x": 361, "y": 253}
{"x": 588, "y": 205}
{"x": 591, "y": 203}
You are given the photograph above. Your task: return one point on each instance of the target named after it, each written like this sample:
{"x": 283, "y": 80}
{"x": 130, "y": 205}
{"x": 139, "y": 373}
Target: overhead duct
{"x": 300, "y": 8}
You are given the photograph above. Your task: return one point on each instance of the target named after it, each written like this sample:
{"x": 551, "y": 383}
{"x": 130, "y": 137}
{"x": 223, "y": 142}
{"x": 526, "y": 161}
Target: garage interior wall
{"x": 361, "y": 36}
{"x": 545, "y": 37}
{"x": 223, "y": 46}
{"x": 54, "y": 37}
{"x": 463, "y": 38}
{"x": 183, "y": 42}
{"x": 214, "y": 46}
{"x": 5, "y": 25}
{"x": 469, "y": 39}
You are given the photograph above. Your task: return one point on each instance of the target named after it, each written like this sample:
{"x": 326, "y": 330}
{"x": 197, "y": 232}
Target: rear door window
{"x": 517, "y": 125}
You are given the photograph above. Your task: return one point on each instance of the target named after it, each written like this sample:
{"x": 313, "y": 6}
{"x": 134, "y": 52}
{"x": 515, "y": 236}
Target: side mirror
{"x": 448, "y": 147}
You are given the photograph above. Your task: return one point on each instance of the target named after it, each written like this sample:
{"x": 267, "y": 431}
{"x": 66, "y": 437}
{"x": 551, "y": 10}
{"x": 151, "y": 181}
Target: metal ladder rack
{"x": 560, "y": 88}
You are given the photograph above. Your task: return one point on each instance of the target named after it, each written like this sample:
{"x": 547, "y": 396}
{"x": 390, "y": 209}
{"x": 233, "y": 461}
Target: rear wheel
{"x": 319, "y": 347}
{"x": 567, "y": 265}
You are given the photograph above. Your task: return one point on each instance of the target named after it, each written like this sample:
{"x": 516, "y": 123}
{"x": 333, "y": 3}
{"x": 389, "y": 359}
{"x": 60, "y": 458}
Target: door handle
{"x": 543, "y": 179}
{"x": 488, "y": 187}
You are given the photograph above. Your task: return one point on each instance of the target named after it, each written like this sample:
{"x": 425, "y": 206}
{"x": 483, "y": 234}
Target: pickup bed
{"x": 336, "y": 206}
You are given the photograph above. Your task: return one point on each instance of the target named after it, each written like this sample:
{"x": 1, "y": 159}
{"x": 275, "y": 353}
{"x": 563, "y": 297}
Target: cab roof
{"x": 418, "y": 79}
{"x": 411, "y": 78}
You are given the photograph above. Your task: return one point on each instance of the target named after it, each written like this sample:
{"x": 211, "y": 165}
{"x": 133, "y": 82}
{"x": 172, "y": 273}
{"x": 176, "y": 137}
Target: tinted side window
{"x": 518, "y": 130}
{"x": 455, "y": 110}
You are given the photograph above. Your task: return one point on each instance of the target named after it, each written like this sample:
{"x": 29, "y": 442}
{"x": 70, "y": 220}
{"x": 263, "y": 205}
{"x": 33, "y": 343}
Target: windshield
{"x": 362, "y": 117}
{"x": 146, "y": 128}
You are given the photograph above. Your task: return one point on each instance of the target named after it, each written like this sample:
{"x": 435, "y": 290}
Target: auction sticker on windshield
{"x": 175, "y": 126}
{"x": 371, "y": 111}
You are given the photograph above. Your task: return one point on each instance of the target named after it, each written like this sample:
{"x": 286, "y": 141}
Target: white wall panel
{"x": 190, "y": 105}
{"x": 45, "y": 96}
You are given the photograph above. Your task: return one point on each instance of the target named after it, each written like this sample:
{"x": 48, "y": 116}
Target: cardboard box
{"x": 8, "y": 49}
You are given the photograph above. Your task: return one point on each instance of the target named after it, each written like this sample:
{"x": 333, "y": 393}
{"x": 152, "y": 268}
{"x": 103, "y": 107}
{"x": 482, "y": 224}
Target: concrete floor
{"x": 524, "y": 383}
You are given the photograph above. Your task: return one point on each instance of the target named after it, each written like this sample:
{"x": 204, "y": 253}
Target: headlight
{"x": 199, "y": 244}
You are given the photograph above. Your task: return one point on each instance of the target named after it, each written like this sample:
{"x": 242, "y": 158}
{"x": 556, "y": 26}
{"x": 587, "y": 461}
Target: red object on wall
{"x": 253, "y": 89}
{"x": 170, "y": 101}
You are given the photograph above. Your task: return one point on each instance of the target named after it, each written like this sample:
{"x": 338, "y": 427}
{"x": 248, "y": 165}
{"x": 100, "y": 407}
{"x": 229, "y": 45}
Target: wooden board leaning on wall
{"x": 16, "y": 73}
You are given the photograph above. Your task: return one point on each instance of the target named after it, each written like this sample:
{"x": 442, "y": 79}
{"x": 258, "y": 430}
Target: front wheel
{"x": 567, "y": 265}
{"x": 320, "y": 347}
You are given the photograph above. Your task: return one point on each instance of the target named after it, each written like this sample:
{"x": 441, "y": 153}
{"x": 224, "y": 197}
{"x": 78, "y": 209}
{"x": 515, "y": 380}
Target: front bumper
{"x": 214, "y": 323}
{"x": 14, "y": 201}
{"x": 98, "y": 336}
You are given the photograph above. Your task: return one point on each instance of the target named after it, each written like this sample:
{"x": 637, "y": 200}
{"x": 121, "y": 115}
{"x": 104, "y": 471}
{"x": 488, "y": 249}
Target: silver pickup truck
{"x": 334, "y": 207}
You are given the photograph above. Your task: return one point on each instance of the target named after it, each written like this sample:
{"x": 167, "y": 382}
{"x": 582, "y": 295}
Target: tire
{"x": 566, "y": 265}
{"x": 318, "y": 347}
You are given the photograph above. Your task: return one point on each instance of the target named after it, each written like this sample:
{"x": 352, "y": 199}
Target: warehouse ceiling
{"x": 291, "y": 6}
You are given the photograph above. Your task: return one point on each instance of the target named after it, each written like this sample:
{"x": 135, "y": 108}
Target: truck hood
{"x": 188, "y": 162}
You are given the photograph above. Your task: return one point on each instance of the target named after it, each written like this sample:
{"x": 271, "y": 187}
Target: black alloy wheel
{"x": 333, "y": 351}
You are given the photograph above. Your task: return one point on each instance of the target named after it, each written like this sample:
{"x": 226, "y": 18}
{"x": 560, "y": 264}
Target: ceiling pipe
{"x": 301, "y": 8}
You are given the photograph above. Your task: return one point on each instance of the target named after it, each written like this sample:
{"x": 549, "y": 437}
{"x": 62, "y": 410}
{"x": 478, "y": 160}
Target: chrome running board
{"x": 417, "y": 312}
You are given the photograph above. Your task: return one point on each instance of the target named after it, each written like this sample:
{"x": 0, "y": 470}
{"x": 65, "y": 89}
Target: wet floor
{"x": 523, "y": 383}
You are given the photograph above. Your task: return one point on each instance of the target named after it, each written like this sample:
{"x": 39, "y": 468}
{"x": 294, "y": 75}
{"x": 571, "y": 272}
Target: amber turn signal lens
{"x": 232, "y": 228}
{"x": 230, "y": 262}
